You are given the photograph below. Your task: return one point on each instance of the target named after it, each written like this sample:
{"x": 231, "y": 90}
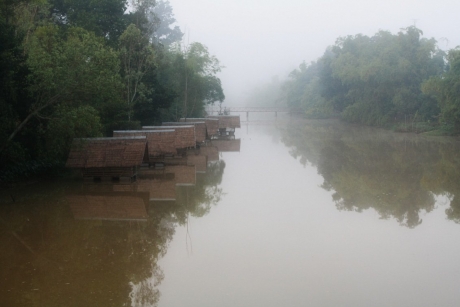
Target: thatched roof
{"x": 185, "y": 134}
{"x": 228, "y": 121}
{"x": 200, "y": 128}
{"x": 212, "y": 124}
{"x": 107, "y": 152}
{"x": 159, "y": 142}
{"x": 227, "y": 145}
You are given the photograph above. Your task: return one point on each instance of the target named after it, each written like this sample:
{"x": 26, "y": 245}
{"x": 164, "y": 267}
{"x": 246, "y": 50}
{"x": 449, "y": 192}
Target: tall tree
{"x": 166, "y": 33}
{"x": 138, "y": 57}
{"x": 106, "y": 18}
{"x": 78, "y": 70}
{"x": 371, "y": 80}
{"x": 195, "y": 70}
{"x": 446, "y": 90}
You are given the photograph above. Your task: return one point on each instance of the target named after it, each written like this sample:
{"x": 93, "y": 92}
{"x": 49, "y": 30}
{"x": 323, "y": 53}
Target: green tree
{"x": 384, "y": 73}
{"x": 18, "y": 20}
{"x": 196, "y": 83}
{"x": 165, "y": 32}
{"x": 69, "y": 123}
{"x": 294, "y": 87}
{"x": 106, "y": 18}
{"x": 446, "y": 90}
{"x": 138, "y": 57}
{"x": 77, "y": 70}
{"x": 370, "y": 80}
{"x": 13, "y": 99}
{"x": 158, "y": 80}
{"x": 303, "y": 91}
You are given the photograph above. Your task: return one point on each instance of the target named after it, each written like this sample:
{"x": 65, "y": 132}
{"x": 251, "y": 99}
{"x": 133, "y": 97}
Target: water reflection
{"x": 93, "y": 203}
{"x": 97, "y": 244}
{"x": 398, "y": 175}
{"x": 227, "y": 145}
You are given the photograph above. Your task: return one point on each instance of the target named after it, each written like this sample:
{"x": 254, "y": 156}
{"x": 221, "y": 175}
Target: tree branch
{"x": 51, "y": 101}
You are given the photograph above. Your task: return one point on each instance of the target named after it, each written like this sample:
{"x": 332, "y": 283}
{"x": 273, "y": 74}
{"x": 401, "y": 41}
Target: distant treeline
{"x": 400, "y": 80}
{"x": 82, "y": 68}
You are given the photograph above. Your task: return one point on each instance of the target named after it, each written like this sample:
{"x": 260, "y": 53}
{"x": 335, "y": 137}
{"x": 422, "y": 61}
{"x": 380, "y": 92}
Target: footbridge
{"x": 247, "y": 110}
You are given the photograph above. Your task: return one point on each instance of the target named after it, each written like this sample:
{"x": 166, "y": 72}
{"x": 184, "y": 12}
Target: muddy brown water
{"x": 307, "y": 213}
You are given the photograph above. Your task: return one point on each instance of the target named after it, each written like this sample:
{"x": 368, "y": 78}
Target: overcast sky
{"x": 259, "y": 39}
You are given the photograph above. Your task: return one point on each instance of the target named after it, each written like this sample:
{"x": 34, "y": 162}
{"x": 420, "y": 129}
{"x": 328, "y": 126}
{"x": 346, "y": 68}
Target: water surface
{"x": 307, "y": 213}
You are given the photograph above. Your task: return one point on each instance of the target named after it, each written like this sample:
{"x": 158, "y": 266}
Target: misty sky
{"x": 259, "y": 39}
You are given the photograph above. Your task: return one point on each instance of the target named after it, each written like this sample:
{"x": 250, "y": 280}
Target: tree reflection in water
{"x": 398, "y": 175}
{"x": 49, "y": 258}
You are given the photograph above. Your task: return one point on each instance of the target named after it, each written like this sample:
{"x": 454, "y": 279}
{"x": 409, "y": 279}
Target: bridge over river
{"x": 247, "y": 110}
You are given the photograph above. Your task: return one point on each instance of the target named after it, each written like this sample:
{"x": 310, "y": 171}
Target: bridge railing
{"x": 249, "y": 109}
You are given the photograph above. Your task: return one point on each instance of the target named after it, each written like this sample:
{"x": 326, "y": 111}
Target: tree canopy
{"x": 445, "y": 90}
{"x": 385, "y": 79}
{"x": 94, "y": 66}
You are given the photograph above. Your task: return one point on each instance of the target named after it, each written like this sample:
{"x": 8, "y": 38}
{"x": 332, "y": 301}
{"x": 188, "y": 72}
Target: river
{"x": 306, "y": 213}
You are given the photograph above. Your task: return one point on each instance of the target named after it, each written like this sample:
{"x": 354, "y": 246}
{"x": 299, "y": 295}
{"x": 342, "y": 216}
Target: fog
{"x": 258, "y": 39}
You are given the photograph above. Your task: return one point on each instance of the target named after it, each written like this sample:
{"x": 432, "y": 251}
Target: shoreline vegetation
{"x": 402, "y": 82}
{"x": 81, "y": 69}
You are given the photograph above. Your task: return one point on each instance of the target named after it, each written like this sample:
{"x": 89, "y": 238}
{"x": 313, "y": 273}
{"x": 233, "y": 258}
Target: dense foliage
{"x": 80, "y": 68}
{"x": 398, "y": 79}
{"x": 446, "y": 90}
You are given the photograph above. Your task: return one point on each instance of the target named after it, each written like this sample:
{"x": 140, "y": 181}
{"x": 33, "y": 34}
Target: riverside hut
{"x": 227, "y": 124}
{"x": 200, "y": 128}
{"x": 118, "y": 157}
{"x": 228, "y": 121}
{"x": 184, "y": 135}
{"x": 159, "y": 142}
{"x": 212, "y": 125}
